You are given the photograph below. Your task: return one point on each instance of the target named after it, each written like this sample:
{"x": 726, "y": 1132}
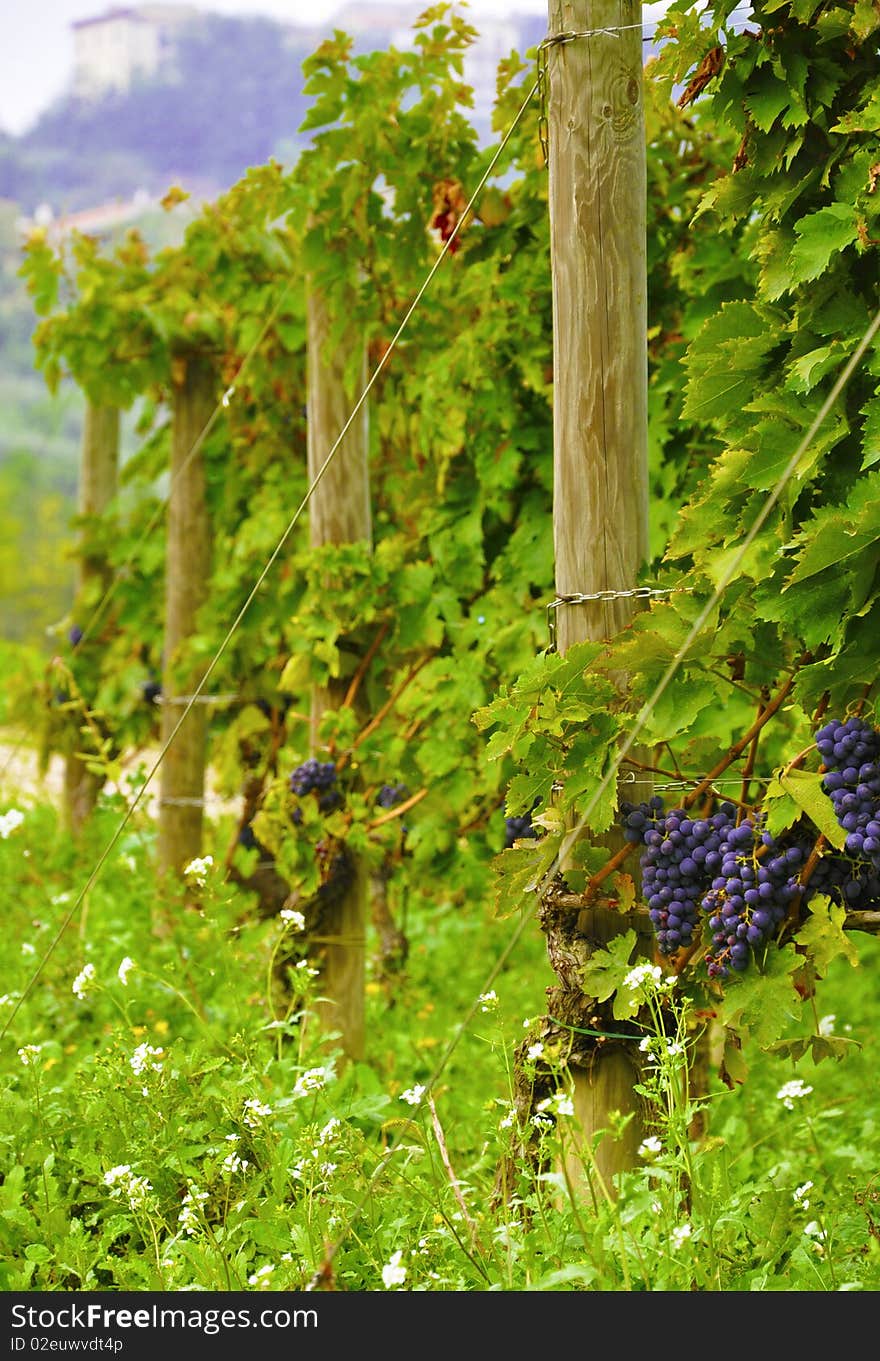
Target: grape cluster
{"x": 680, "y": 855}
{"x": 853, "y": 884}
{"x": 850, "y": 752}
{"x": 749, "y": 897}
{"x": 516, "y": 827}
{"x": 313, "y": 776}
{"x": 317, "y": 777}
{"x": 390, "y": 795}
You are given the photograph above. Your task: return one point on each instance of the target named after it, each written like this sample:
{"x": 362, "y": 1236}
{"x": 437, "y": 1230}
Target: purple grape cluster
{"x": 390, "y": 795}
{"x": 313, "y": 776}
{"x": 516, "y": 827}
{"x": 850, "y": 752}
{"x": 750, "y": 895}
{"x": 850, "y": 883}
{"x": 316, "y": 777}
{"x": 680, "y": 855}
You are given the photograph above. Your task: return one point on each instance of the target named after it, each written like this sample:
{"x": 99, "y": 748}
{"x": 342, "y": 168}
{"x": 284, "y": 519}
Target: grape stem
{"x": 398, "y": 809}
{"x": 793, "y": 915}
{"x": 364, "y": 665}
{"x": 739, "y": 747}
{"x": 382, "y": 713}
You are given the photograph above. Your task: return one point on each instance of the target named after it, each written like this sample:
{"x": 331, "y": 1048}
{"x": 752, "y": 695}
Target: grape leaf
{"x": 605, "y": 971}
{"x": 821, "y": 236}
{"x": 824, "y": 936}
{"x": 762, "y": 1003}
{"x": 805, "y": 788}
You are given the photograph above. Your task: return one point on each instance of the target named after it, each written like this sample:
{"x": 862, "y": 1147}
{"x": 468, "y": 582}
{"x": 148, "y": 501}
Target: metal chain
{"x": 579, "y": 598}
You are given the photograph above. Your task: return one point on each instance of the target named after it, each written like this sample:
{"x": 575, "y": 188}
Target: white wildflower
{"x": 254, "y": 1111}
{"x": 650, "y": 1147}
{"x": 641, "y": 974}
{"x": 800, "y": 1195}
{"x": 680, "y": 1234}
{"x": 197, "y": 870}
{"x": 233, "y": 1163}
{"x": 145, "y": 1058}
{"x": 295, "y": 920}
{"x": 814, "y": 1230}
{"x": 188, "y": 1219}
{"x": 329, "y": 1129}
{"x": 791, "y": 1092}
{"x": 29, "y": 1053}
{"x": 560, "y": 1103}
{"x": 312, "y": 1080}
{"x": 393, "y": 1274}
{"x": 27, "y": 948}
{"x": 84, "y": 981}
{"x": 9, "y": 821}
{"x": 260, "y": 1278}
{"x": 413, "y": 1095}
{"x": 488, "y": 1000}
{"x": 826, "y": 1025}
{"x": 306, "y": 968}
{"x": 123, "y": 1184}
{"x": 60, "y": 899}
{"x": 125, "y": 969}
{"x": 534, "y": 1051}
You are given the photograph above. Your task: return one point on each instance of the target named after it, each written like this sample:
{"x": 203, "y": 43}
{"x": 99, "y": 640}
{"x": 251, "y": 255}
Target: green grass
{"x": 176, "y": 1131}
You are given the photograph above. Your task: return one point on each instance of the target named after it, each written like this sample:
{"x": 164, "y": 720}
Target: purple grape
{"x": 517, "y": 827}
{"x": 749, "y": 897}
{"x": 313, "y": 776}
{"x": 850, "y": 752}
{"x": 679, "y": 857}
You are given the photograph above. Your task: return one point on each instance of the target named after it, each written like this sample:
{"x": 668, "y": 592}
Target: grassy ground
{"x": 165, "y": 1126}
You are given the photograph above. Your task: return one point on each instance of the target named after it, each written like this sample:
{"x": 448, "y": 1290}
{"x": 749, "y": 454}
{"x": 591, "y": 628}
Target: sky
{"x": 36, "y": 55}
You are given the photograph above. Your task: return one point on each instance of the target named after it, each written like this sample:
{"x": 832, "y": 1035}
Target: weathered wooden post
{"x": 339, "y": 512}
{"x": 597, "y": 182}
{"x": 187, "y": 568}
{"x": 99, "y": 468}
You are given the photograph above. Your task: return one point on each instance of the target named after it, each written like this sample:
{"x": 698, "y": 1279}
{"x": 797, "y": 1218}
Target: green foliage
{"x": 762, "y": 284}
{"x": 165, "y": 1127}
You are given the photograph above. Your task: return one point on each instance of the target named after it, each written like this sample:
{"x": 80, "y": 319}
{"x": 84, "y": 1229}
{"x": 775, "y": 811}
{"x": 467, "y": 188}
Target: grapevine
{"x": 734, "y": 883}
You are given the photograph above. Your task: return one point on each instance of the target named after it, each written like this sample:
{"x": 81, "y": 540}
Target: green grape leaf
{"x": 823, "y": 936}
{"x": 763, "y": 1002}
{"x": 519, "y": 871}
{"x": 821, "y": 236}
{"x": 605, "y": 971}
{"x": 804, "y": 788}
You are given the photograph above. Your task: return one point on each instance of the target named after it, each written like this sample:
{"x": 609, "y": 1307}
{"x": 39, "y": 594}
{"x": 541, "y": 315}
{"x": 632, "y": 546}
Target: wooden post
{"x": 597, "y": 183}
{"x": 339, "y": 512}
{"x": 98, "y": 480}
{"x": 187, "y": 567}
